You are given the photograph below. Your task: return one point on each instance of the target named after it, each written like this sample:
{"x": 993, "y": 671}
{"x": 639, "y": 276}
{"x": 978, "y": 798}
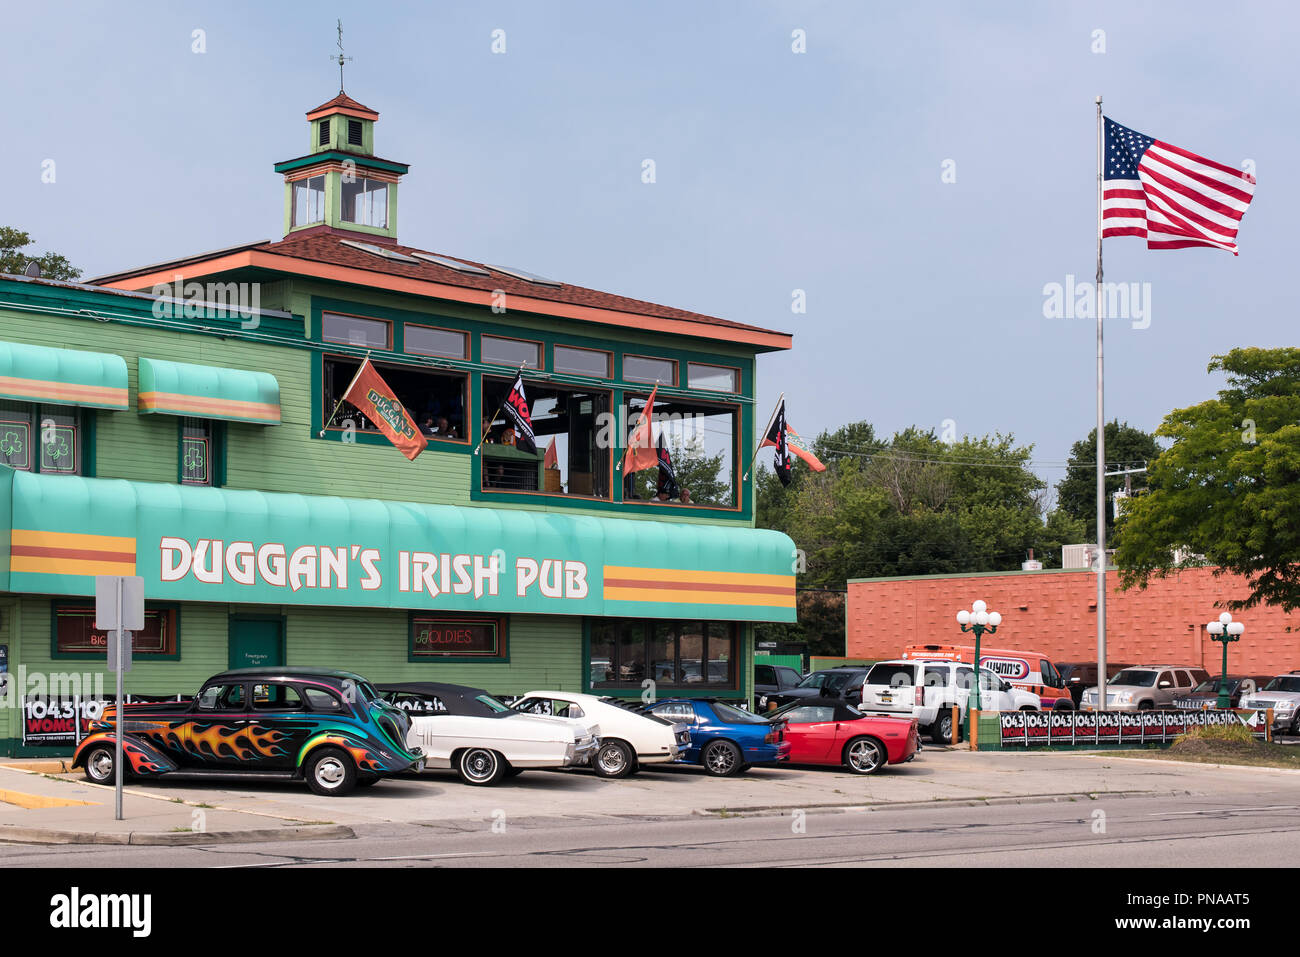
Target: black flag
{"x": 667, "y": 476}
{"x": 516, "y": 409}
{"x": 776, "y": 437}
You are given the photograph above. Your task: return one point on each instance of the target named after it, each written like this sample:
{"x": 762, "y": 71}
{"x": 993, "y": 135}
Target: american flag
{"x": 1172, "y": 197}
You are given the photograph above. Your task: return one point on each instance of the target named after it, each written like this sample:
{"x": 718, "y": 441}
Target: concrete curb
{"x": 1063, "y": 798}
{"x": 1196, "y": 764}
{"x": 44, "y": 835}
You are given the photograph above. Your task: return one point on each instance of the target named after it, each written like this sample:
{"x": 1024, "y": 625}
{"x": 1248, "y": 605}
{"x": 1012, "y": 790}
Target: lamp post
{"x": 1225, "y": 630}
{"x": 978, "y": 620}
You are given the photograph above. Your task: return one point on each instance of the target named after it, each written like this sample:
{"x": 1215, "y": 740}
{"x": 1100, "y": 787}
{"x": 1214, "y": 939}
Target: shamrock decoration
{"x": 194, "y": 458}
{"x": 11, "y": 443}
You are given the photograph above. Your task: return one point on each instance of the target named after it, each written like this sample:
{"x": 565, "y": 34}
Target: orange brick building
{"x": 1055, "y": 612}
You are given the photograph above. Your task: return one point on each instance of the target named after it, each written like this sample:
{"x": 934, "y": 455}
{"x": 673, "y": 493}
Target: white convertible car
{"x": 629, "y": 737}
{"x": 483, "y": 739}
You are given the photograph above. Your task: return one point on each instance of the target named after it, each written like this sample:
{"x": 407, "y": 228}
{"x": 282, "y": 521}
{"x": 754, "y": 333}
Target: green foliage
{"x": 12, "y": 260}
{"x": 1228, "y": 487}
{"x": 1076, "y": 494}
{"x": 1219, "y": 732}
{"x": 912, "y": 505}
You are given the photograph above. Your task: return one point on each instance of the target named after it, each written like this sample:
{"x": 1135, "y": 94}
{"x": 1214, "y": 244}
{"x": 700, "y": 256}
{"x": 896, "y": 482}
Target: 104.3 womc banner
{"x": 1091, "y": 728}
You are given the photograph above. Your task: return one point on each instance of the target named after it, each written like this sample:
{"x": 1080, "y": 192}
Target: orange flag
{"x": 641, "y": 451}
{"x": 372, "y": 397}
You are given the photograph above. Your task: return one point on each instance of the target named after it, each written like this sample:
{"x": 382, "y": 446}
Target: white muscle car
{"x": 483, "y": 739}
{"x": 629, "y": 737}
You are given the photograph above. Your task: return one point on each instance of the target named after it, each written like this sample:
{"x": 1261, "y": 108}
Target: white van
{"x": 927, "y": 691}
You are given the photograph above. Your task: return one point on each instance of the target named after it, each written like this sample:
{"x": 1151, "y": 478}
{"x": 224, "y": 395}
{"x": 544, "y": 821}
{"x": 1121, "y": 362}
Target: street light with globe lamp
{"x": 979, "y": 620}
{"x": 1225, "y": 630}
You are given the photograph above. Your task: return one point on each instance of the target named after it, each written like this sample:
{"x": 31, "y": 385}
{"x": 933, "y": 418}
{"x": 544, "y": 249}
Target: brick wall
{"x": 1055, "y": 612}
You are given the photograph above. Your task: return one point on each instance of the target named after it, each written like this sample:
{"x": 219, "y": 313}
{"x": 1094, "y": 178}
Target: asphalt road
{"x": 1118, "y": 832}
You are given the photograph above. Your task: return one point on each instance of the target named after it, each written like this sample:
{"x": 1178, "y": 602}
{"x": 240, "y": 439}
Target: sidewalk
{"x": 36, "y": 809}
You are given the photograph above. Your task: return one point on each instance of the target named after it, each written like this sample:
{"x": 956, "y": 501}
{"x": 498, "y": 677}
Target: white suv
{"x": 927, "y": 691}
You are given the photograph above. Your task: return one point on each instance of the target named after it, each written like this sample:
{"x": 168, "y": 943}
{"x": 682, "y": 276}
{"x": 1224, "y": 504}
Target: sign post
{"x": 119, "y": 609}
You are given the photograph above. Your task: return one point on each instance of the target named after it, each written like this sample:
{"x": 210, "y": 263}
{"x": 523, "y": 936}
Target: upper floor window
{"x": 324, "y": 133}
{"x": 365, "y": 202}
{"x": 355, "y": 331}
{"x": 718, "y": 378}
{"x": 200, "y": 451}
{"x": 428, "y": 341}
{"x": 590, "y": 362}
{"x": 309, "y": 201}
{"x": 700, "y": 440}
{"x": 354, "y": 132}
{"x": 42, "y": 438}
{"x": 512, "y": 352}
{"x": 435, "y": 400}
{"x": 645, "y": 369}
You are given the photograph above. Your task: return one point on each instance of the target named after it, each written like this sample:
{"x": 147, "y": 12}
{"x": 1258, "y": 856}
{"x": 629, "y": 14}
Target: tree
{"x": 1228, "y": 487}
{"x": 1076, "y": 494}
{"x": 696, "y": 470}
{"x": 53, "y": 266}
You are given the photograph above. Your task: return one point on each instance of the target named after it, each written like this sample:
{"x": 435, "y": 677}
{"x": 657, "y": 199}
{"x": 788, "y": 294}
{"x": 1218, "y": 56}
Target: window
{"x": 200, "y": 453}
{"x": 42, "y": 438}
{"x": 512, "y": 352}
{"x": 428, "y": 341}
{"x": 570, "y": 418}
{"x": 701, "y": 443}
{"x": 551, "y": 706}
{"x": 718, "y": 378}
{"x": 276, "y": 697}
{"x": 355, "y": 331}
{"x": 441, "y": 637}
{"x": 75, "y": 632}
{"x": 321, "y": 700}
{"x": 810, "y": 714}
{"x": 642, "y": 369}
{"x": 435, "y": 400}
{"x": 365, "y": 202}
{"x": 764, "y": 675}
{"x": 324, "y": 133}
{"x": 685, "y": 654}
{"x": 222, "y": 698}
{"x": 354, "y": 132}
{"x": 590, "y": 362}
{"x": 309, "y": 201}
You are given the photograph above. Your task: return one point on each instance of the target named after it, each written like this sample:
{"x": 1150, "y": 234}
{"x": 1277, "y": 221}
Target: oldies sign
{"x": 1056, "y": 728}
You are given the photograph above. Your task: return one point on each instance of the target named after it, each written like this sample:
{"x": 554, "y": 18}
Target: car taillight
{"x": 769, "y": 737}
{"x": 920, "y": 694}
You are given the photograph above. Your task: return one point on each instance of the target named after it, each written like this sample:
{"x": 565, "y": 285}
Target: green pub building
{"x": 182, "y": 422}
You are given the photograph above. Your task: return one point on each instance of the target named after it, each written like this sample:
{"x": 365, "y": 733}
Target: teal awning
{"x": 192, "y": 543}
{"x": 31, "y": 373}
{"x": 208, "y": 392}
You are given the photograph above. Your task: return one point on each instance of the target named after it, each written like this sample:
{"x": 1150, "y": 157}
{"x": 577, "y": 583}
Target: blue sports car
{"x": 725, "y": 739}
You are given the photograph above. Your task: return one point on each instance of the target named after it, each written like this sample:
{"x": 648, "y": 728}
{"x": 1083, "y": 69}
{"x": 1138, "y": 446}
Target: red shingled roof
{"x": 341, "y": 102}
{"x": 326, "y": 248}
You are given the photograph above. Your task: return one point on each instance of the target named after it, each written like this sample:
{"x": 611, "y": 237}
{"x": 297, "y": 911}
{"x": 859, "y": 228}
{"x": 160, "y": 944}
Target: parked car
{"x": 1146, "y": 687}
{"x": 928, "y": 690}
{"x": 842, "y": 680}
{"x": 724, "y": 739}
{"x": 830, "y": 731}
{"x": 1282, "y": 694}
{"x": 329, "y": 728}
{"x": 483, "y": 739}
{"x": 1082, "y": 675}
{"x": 1206, "y": 694}
{"x": 1022, "y": 668}
{"x": 629, "y": 737}
{"x": 771, "y": 680}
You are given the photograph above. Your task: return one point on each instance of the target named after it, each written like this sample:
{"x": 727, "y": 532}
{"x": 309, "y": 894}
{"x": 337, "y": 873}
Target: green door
{"x": 256, "y": 642}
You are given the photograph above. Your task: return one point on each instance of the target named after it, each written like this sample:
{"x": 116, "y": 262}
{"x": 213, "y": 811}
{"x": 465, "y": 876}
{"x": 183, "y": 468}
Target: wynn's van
{"x": 1029, "y": 670}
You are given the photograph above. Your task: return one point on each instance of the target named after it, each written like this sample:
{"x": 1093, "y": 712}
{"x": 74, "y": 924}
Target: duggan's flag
{"x": 375, "y": 400}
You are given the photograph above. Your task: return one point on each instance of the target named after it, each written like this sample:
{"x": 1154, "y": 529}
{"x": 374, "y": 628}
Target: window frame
{"x": 650, "y": 382}
{"x": 465, "y": 339}
{"x": 171, "y": 609}
{"x": 738, "y": 426}
{"x": 305, "y": 183}
{"x": 388, "y": 325}
{"x": 83, "y": 430}
{"x": 500, "y": 622}
{"x": 216, "y": 453}
{"x": 541, "y": 352}
{"x": 738, "y": 390}
{"x": 736, "y": 680}
{"x": 555, "y": 362}
{"x": 364, "y": 181}
{"x": 380, "y": 365}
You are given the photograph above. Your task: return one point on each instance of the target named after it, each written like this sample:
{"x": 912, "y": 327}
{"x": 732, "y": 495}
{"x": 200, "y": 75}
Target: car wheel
{"x": 721, "y": 758}
{"x": 1295, "y": 724}
{"x": 480, "y": 767}
{"x": 330, "y": 771}
{"x": 1146, "y": 706}
{"x": 941, "y": 730}
{"x": 99, "y": 765}
{"x": 865, "y": 756}
{"x": 613, "y": 760}
{"x": 1063, "y": 704}
{"x": 1028, "y": 707}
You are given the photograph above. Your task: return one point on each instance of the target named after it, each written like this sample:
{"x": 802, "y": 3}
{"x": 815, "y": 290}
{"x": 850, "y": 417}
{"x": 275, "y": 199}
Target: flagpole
{"x": 340, "y": 402}
{"x": 483, "y": 437}
{"x": 1101, "y": 439}
{"x": 766, "y": 428}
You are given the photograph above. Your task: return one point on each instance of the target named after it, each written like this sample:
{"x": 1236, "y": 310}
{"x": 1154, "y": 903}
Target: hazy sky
{"x": 776, "y": 171}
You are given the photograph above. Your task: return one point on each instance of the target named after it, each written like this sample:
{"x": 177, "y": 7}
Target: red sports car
{"x": 832, "y": 731}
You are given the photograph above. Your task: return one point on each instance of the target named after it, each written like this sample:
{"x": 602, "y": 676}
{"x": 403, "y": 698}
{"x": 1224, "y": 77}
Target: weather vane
{"x": 340, "y": 57}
